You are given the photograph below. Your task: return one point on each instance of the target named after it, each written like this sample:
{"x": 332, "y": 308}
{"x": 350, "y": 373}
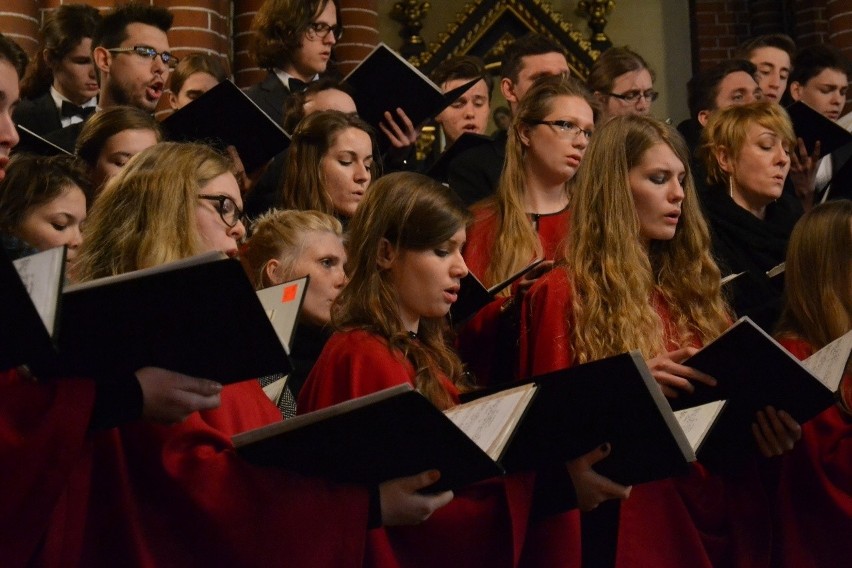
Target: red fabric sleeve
{"x": 42, "y": 435}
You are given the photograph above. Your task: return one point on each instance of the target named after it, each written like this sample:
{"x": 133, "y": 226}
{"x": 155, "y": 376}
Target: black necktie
{"x": 296, "y": 85}
{"x": 69, "y": 110}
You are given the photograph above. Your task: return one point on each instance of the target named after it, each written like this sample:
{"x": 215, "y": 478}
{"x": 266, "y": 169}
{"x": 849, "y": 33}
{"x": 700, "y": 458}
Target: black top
{"x": 270, "y": 95}
{"x": 745, "y": 243}
{"x": 39, "y": 115}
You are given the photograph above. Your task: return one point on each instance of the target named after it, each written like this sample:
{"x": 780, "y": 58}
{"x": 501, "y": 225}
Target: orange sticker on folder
{"x": 289, "y": 293}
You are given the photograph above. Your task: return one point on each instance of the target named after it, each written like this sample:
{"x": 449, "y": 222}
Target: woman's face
{"x": 57, "y": 222}
{"x": 760, "y": 168}
{"x": 656, "y": 183}
{"x": 426, "y": 282}
{"x": 74, "y": 75}
{"x": 117, "y": 151}
{"x": 211, "y": 213}
{"x": 322, "y": 258}
{"x": 553, "y": 153}
{"x": 193, "y": 87}
{"x": 345, "y": 170}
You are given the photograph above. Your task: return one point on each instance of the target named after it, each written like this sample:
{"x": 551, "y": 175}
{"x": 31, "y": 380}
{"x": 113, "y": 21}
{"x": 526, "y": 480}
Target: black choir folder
{"x": 397, "y": 432}
{"x": 29, "y": 312}
{"x": 385, "y": 81}
{"x": 199, "y": 316}
{"x": 811, "y": 126}
{"x": 225, "y": 116}
{"x": 440, "y": 170}
{"x": 753, "y": 371}
{"x": 473, "y": 295}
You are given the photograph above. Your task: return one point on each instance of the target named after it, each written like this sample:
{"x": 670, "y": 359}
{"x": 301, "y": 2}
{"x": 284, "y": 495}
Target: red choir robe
{"x": 701, "y": 519}
{"x": 149, "y": 495}
{"x": 814, "y": 497}
{"x": 477, "y": 340}
{"x": 43, "y": 430}
{"x": 484, "y": 525}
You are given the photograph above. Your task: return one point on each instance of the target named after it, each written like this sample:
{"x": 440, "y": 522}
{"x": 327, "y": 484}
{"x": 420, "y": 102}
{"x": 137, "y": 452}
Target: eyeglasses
{"x": 634, "y": 96}
{"x": 148, "y": 52}
{"x": 564, "y": 128}
{"x": 320, "y": 30}
{"x": 227, "y": 208}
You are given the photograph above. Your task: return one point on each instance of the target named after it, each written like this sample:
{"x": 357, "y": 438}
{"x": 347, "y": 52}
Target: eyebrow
{"x": 194, "y": 93}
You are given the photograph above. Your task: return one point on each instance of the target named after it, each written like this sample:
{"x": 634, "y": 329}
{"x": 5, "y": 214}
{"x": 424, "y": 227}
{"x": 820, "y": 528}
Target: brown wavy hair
{"x": 413, "y": 212}
{"x": 279, "y": 28}
{"x": 615, "y": 279}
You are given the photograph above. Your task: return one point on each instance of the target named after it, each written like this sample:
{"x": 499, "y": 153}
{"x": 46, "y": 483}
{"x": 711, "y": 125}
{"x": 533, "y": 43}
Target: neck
{"x": 78, "y": 100}
{"x": 756, "y": 207}
{"x": 542, "y": 197}
{"x": 296, "y": 74}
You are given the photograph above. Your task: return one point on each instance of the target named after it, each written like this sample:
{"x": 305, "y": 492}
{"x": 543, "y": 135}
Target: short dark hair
{"x": 779, "y": 41}
{"x": 279, "y": 27}
{"x": 33, "y": 180}
{"x": 811, "y": 61}
{"x": 462, "y": 67}
{"x": 613, "y": 63}
{"x": 12, "y": 52}
{"x": 530, "y": 44}
{"x": 703, "y": 88}
{"x": 112, "y": 29}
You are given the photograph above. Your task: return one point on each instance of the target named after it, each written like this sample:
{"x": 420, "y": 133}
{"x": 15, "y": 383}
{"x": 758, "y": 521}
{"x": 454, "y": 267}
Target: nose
{"x": 676, "y": 191}
{"x": 159, "y": 67}
{"x": 76, "y": 238}
{"x": 238, "y": 231}
{"x": 580, "y": 141}
{"x": 459, "y": 267}
{"x": 8, "y": 133}
{"x": 330, "y": 39}
{"x": 362, "y": 173}
{"x": 783, "y": 157}
{"x": 339, "y": 277}
{"x": 468, "y": 110}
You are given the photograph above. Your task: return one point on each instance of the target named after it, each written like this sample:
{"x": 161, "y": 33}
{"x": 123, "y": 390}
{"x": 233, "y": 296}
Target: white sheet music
{"x": 829, "y": 363}
{"x": 696, "y": 421}
{"x": 42, "y": 276}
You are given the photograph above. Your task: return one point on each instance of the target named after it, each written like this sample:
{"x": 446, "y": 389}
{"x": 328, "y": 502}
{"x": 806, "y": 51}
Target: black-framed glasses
{"x": 564, "y": 128}
{"x": 148, "y": 52}
{"x": 320, "y": 30}
{"x": 227, "y": 209}
{"x": 634, "y": 96}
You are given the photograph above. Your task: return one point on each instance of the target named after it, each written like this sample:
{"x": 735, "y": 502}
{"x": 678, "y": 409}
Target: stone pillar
{"x": 245, "y": 69}
{"x": 20, "y": 21}
{"x": 811, "y": 22}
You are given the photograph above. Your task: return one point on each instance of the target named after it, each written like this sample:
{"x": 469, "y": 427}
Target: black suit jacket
{"x": 39, "y": 115}
{"x": 270, "y": 95}
{"x": 66, "y": 138}
{"x": 474, "y": 175}
{"x": 841, "y": 174}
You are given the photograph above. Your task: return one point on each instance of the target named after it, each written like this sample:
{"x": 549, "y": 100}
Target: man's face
{"x": 825, "y": 92}
{"x": 737, "y": 88}
{"x": 773, "y": 69}
{"x": 532, "y": 67}
{"x": 313, "y": 55}
{"x": 9, "y": 94}
{"x": 129, "y": 78}
{"x": 468, "y": 113}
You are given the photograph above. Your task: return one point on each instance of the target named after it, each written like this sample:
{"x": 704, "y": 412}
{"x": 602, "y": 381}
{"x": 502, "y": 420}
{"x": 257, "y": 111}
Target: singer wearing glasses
{"x": 622, "y": 82}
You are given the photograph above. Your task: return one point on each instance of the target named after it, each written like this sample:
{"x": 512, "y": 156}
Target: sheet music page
{"x": 42, "y": 276}
{"x": 829, "y": 363}
{"x": 696, "y": 421}
{"x": 489, "y": 421}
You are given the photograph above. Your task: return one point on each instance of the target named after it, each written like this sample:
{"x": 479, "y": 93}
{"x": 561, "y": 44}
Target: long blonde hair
{"x": 146, "y": 214}
{"x": 818, "y": 275}
{"x": 516, "y": 239}
{"x": 413, "y": 212}
{"x": 282, "y": 234}
{"x": 614, "y": 278}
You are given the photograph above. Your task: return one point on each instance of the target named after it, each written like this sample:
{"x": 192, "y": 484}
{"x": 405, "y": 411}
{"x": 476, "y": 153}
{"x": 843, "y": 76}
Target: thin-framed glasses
{"x": 227, "y": 209}
{"x": 320, "y": 30}
{"x": 634, "y": 96}
{"x": 148, "y": 52}
{"x": 564, "y": 128}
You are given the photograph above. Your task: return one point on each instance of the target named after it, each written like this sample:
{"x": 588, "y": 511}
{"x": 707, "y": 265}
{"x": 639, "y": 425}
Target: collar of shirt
{"x": 57, "y": 100}
{"x": 285, "y": 77}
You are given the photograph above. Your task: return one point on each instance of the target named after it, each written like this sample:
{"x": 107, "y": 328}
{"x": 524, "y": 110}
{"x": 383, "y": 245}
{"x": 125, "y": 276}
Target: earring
{"x": 731, "y": 186}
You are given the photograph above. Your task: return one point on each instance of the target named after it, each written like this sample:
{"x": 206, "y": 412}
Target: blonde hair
{"x": 146, "y": 214}
{"x": 818, "y": 275}
{"x": 516, "y": 239}
{"x": 412, "y": 212}
{"x": 614, "y": 278}
{"x": 282, "y": 234}
{"x": 728, "y": 128}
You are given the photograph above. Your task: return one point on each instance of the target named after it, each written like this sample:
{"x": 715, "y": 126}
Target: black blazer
{"x": 270, "y": 95}
{"x": 474, "y": 174}
{"x": 39, "y": 115}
